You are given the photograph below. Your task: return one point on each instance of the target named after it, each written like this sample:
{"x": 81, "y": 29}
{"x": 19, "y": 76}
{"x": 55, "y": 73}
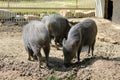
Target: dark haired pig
{"x": 35, "y": 37}
{"x": 58, "y": 27}
{"x": 81, "y": 34}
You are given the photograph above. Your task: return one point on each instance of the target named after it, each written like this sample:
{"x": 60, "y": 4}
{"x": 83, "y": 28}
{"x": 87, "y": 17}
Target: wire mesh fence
{"x": 36, "y": 9}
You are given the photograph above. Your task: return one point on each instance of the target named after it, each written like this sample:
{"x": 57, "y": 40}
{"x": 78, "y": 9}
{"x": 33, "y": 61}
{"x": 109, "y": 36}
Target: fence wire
{"x": 38, "y": 8}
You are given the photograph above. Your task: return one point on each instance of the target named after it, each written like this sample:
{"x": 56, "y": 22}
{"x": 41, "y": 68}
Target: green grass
{"x": 47, "y": 3}
{"x": 53, "y": 77}
{"x": 55, "y": 3}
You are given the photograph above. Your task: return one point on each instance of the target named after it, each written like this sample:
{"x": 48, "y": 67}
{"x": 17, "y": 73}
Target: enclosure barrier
{"x": 39, "y": 8}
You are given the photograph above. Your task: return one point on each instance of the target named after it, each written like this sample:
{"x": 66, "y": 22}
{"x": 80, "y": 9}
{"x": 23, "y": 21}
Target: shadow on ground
{"x": 58, "y": 64}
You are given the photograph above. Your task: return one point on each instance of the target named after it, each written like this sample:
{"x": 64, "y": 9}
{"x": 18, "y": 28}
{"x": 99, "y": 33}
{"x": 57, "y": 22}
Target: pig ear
{"x": 64, "y": 41}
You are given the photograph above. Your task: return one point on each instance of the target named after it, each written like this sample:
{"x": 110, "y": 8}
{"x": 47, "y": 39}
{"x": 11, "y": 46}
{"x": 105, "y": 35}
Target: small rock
{"x": 22, "y": 62}
{"x": 13, "y": 69}
{"x": 28, "y": 74}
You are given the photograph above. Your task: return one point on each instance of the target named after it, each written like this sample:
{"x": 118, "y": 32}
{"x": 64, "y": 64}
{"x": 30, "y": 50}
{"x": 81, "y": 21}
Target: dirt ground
{"x": 104, "y": 66}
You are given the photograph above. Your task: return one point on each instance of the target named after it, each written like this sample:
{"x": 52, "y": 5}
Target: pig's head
{"x": 69, "y": 51}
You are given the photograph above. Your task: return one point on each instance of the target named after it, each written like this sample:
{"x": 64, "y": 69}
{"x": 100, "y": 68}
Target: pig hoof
{"x": 35, "y": 58}
{"x": 29, "y": 59}
{"x": 41, "y": 67}
{"x": 88, "y": 55}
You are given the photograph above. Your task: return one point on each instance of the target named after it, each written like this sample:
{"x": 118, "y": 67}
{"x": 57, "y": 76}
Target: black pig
{"x": 58, "y": 27}
{"x": 81, "y": 34}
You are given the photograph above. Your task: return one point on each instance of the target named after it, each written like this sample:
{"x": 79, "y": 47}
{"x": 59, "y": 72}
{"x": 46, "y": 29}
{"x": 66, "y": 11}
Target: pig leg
{"x": 93, "y": 47}
{"x": 56, "y": 41}
{"x": 38, "y": 54}
{"x": 46, "y": 51}
{"x": 30, "y": 53}
{"x": 51, "y": 37}
{"x": 35, "y": 57}
{"x": 89, "y": 50}
{"x": 60, "y": 41}
{"x": 78, "y": 53}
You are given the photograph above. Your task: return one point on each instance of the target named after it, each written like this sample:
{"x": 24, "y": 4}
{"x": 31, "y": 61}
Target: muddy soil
{"x": 104, "y": 66}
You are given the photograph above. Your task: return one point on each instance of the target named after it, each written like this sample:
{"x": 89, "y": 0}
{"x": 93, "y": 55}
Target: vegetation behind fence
{"x": 46, "y": 6}
{"x": 48, "y": 3}
{"x": 26, "y": 10}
